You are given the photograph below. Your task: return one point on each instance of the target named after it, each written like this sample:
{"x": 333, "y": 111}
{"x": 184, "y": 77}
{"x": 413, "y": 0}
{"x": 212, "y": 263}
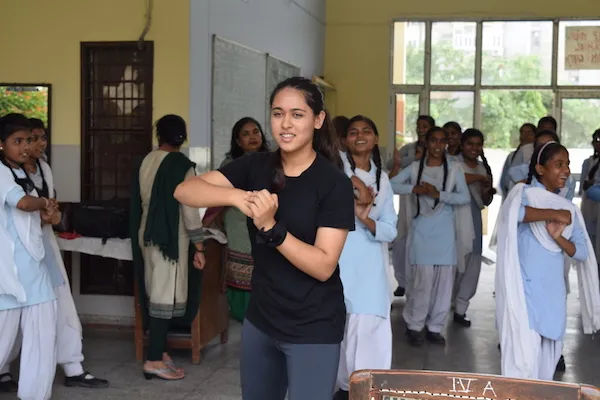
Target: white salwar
{"x": 38, "y": 351}
{"x": 430, "y": 296}
{"x": 525, "y": 354}
{"x": 367, "y": 344}
{"x": 69, "y": 332}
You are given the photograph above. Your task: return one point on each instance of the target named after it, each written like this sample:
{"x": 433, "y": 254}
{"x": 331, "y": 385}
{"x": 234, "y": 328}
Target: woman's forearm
{"x": 472, "y": 178}
{"x": 537, "y": 214}
{"x": 566, "y": 245}
{"x": 370, "y": 224}
{"x": 197, "y": 192}
{"x": 313, "y": 260}
{"x": 31, "y": 203}
{"x": 395, "y": 170}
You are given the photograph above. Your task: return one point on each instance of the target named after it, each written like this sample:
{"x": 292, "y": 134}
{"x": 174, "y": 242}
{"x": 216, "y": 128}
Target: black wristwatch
{"x": 273, "y": 237}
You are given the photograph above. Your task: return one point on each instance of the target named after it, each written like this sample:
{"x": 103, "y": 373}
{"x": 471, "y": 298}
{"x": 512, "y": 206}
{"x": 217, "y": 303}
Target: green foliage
{"x": 503, "y": 111}
{"x": 33, "y": 104}
{"x": 580, "y": 118}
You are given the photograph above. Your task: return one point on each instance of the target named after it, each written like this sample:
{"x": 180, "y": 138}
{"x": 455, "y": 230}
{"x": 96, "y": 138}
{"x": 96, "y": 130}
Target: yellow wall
{"x": 40, "y": 43}
{"x": 358, "y": 32}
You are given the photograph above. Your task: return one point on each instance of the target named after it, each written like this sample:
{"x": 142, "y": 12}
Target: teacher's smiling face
{"x": 293, "y": 122}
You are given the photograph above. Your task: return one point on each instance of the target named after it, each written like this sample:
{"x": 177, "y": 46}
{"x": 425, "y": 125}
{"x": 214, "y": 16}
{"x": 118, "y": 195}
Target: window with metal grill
{"x": 116, "y": 134}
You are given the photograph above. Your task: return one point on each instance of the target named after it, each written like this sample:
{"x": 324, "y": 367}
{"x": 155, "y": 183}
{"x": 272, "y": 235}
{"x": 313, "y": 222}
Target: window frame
{"x": 424, "y": 90}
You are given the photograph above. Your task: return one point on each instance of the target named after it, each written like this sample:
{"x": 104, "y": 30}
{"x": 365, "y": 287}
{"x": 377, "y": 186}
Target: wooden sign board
{"x": 582, "y": 47}
{"x": 419, "y": 385}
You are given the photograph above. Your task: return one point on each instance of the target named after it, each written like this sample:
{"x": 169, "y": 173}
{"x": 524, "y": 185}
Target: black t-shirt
{"x": 286, "y": 303}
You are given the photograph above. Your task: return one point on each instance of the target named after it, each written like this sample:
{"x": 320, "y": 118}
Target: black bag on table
{"x": 102, "y": 219}
{"x": 65, "y": 225}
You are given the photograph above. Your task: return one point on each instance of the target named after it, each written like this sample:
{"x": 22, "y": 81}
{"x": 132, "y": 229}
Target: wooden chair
{"x": 212, "y": 319}
{"x": 417, "y": 385}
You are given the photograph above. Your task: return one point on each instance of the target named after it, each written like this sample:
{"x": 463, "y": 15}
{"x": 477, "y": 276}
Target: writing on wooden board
{"x": 582, "y": 47}
{"x": 458, "y": 387}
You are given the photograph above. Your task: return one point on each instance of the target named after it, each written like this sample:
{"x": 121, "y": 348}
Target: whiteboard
{"x": 277, "y": 71}
{"x": 238, "y": 90}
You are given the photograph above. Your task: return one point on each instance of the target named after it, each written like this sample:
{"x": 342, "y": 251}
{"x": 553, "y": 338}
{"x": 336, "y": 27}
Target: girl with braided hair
{"x": 537, "y": 228}
{"x": 364, "y": 262}
{"x": 434, "y": 244}
{"x": 454, "y": 131}
{"x": 478, "y": 176}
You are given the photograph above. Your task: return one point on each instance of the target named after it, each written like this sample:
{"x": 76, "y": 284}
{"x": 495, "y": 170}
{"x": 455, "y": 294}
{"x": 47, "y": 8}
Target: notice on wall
{"x": 582, "y": 47}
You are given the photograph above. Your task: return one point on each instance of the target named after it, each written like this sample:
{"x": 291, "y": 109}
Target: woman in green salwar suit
{"x": 167, "y": 245}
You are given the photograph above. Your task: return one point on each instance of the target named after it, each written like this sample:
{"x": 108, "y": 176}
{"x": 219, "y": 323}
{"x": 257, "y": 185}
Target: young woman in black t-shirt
{"x": 300, "y": 207}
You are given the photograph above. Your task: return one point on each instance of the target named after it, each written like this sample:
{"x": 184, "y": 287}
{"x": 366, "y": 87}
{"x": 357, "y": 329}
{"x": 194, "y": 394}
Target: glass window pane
{"x": 579, "y": 120}
{"x": 452, "y": 106}
{"x": 504, "y": 111}
{"x": 407, "y": 112}
{"x": 517, "y": 53}
{"x": 580, "y": 65}
{"x": 409, "y": 53}
{"x": 453, "y": 53}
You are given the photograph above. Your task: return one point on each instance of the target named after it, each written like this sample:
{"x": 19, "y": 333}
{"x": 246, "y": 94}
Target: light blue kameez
{"x": 433, "y": 239}
{"x": 514, "y": 158}
{"x": 33, "y": 275}
{"x": 543, "y": 276}
{"x": 362, "y": 267}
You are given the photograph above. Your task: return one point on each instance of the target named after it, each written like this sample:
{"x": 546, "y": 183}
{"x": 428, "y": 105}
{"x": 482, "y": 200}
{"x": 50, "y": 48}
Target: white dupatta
{"x": 10, "y": 283}
{"x": 516, "y": 338}
{"x": 66, "y": 305}
{"x": 371, "y": 181}
{"x": 463, "y": 219}
{"x": 29, "y": 228}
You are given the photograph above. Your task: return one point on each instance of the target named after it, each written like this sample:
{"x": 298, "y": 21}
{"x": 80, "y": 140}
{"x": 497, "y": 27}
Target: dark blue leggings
{"x": 270, "y": 367}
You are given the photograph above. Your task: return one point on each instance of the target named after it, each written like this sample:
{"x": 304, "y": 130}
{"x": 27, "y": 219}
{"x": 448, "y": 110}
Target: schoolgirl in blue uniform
{"x": 438, "y": 186}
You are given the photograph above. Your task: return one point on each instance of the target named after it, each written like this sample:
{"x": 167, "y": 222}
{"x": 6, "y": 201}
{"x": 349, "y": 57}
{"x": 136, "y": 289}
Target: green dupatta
{"x": 162, "y": 231}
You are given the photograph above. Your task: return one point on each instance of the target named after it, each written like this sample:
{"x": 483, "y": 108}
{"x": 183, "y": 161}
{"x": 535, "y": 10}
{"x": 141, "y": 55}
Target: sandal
{"x": 172, "y": 366}
{"x": 166, "y": 374}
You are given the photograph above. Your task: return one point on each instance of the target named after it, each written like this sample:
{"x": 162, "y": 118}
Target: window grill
{"x": 116, "y": 133}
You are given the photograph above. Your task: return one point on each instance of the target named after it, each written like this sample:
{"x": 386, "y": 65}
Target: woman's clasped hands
{"x": 261, "y": 206}
{"x": 560, "y": 220}
{"x": 51, "y": 214}
{"x": 426, "y": 189}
